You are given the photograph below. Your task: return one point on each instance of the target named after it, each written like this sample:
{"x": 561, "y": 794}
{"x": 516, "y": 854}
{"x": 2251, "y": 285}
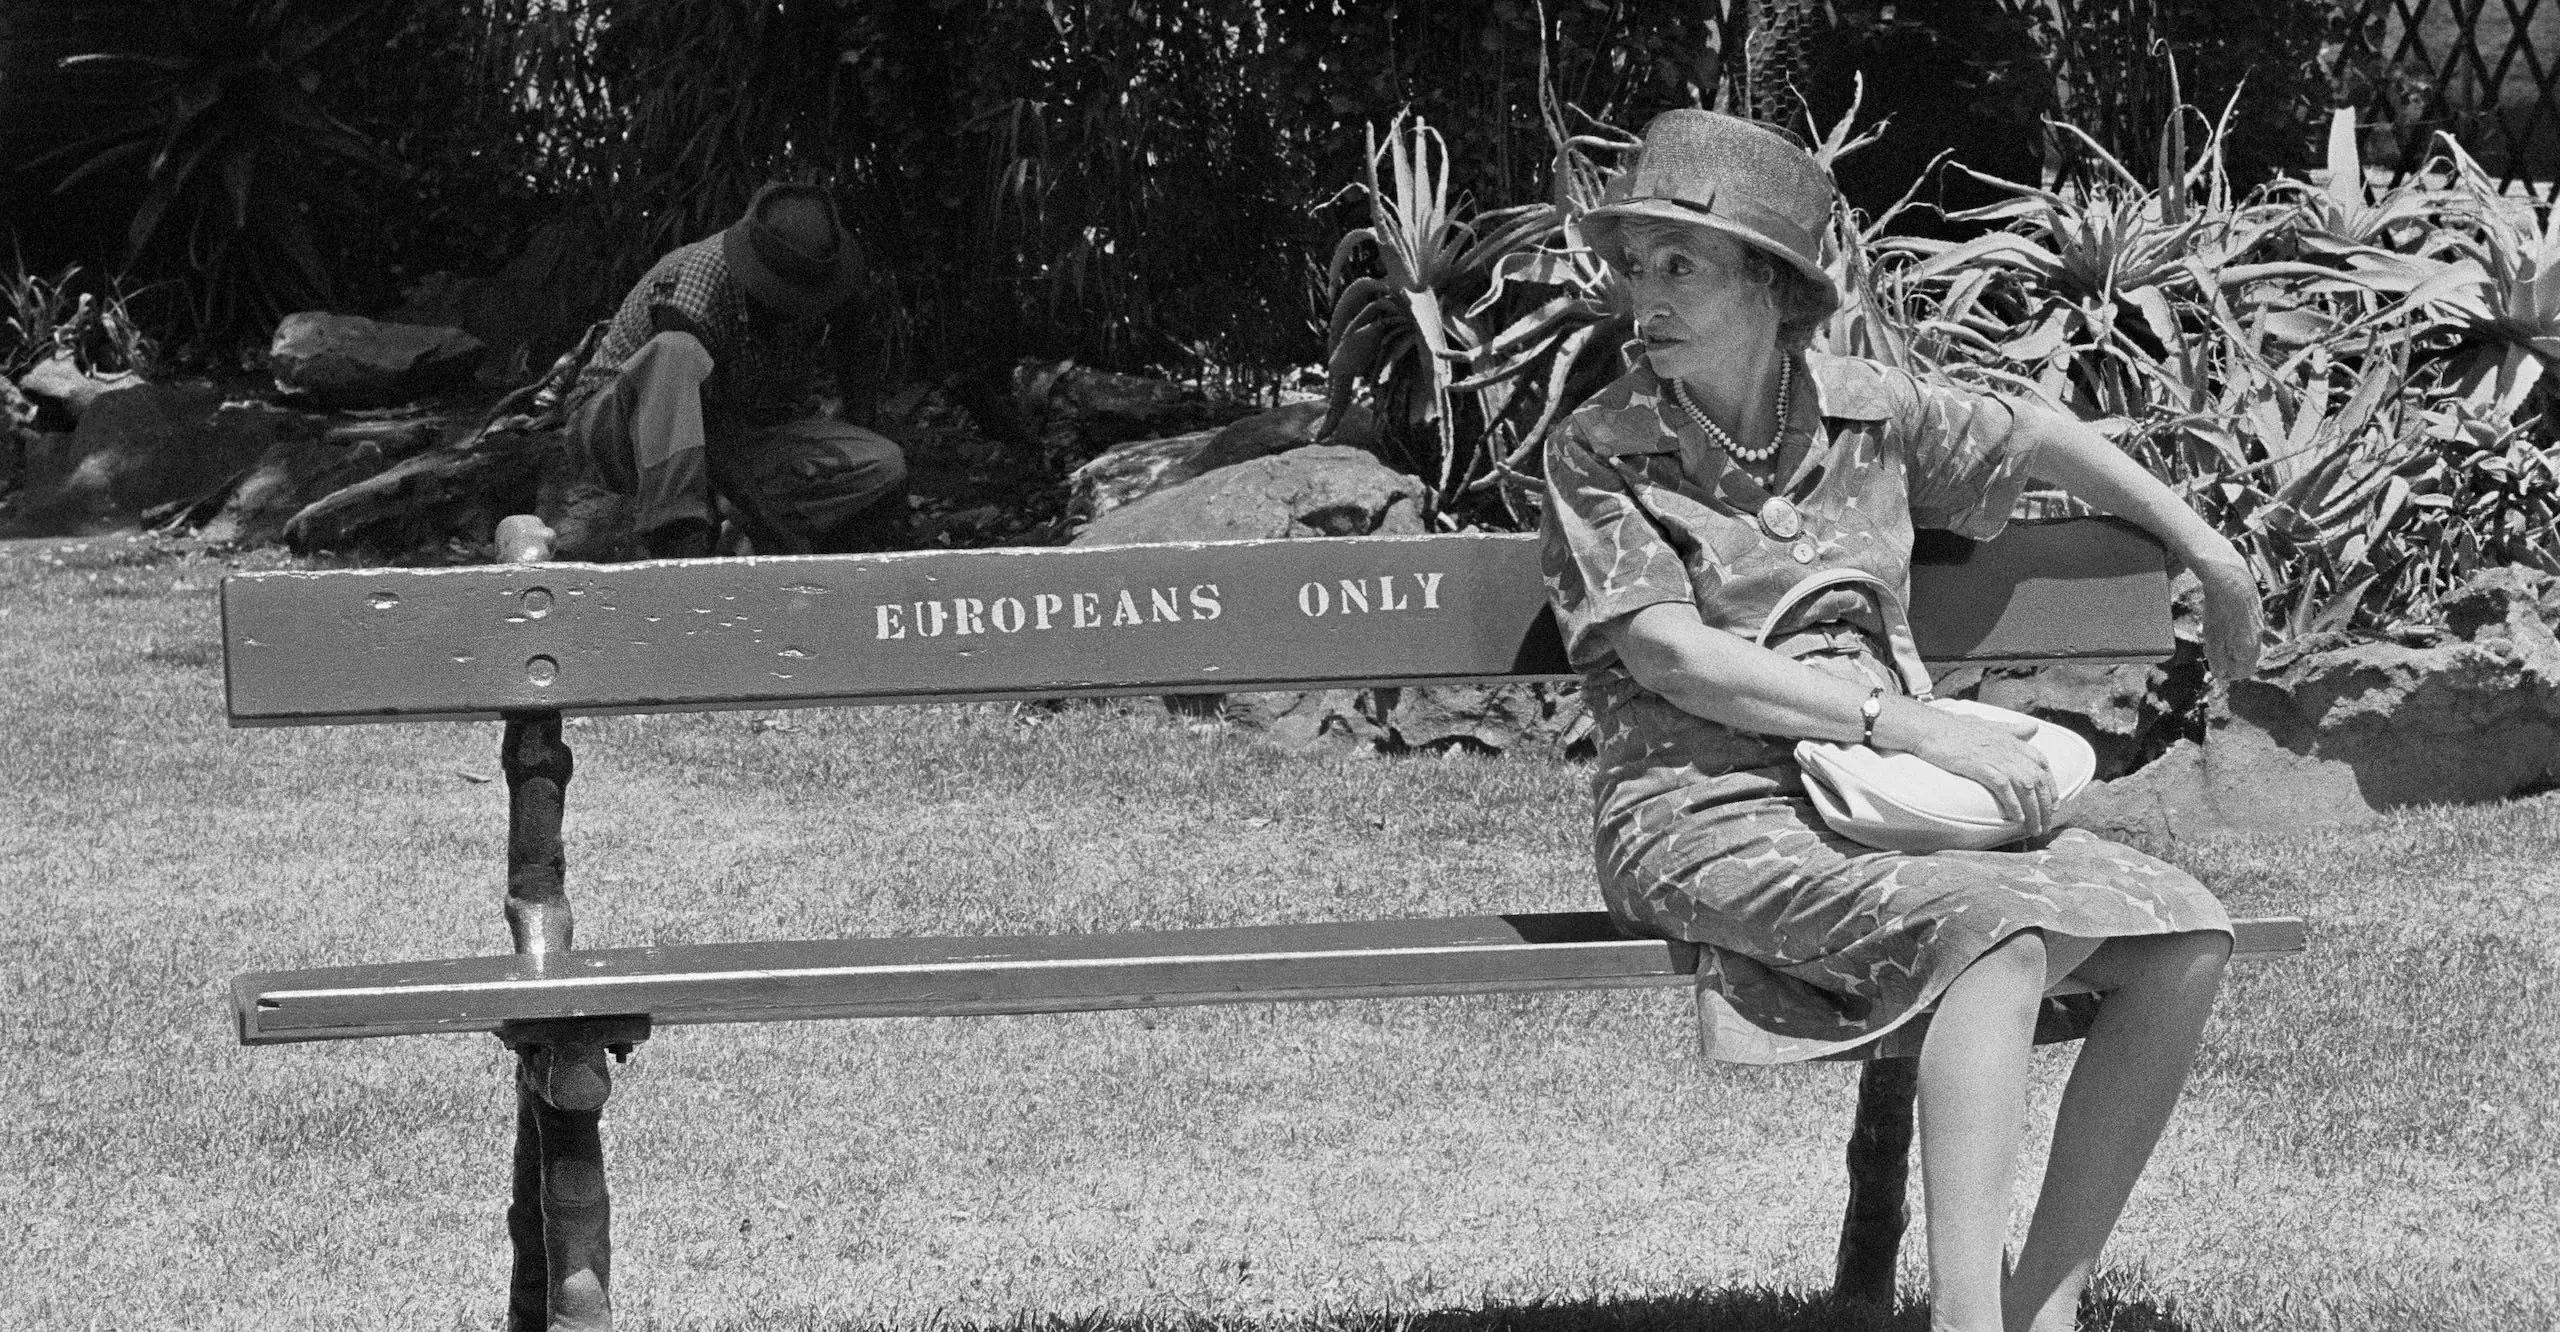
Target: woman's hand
{"x": 2080, "y": 460}
{"x": 1994, "y": 754}
{"x": 2233, "y": 624}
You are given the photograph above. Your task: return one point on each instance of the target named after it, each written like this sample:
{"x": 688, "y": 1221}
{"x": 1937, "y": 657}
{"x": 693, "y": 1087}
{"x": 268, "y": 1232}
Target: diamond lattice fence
{"x": 2485, "y": 71}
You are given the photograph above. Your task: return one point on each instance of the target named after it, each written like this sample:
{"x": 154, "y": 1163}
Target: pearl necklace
{"x": 1716, "y": 434}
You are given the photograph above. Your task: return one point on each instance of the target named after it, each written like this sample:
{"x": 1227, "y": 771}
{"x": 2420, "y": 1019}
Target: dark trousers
{"x": 814, "y": 485}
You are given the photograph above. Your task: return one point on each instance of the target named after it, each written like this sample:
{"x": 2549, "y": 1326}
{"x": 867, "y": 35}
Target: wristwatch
{"x": 1869, "y": 711}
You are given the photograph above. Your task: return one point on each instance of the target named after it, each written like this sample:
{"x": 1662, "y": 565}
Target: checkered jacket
{"x": 763, "y": 372}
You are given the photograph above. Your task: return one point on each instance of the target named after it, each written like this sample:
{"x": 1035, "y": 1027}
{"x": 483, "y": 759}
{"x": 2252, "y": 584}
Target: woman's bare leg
{"x": 2159, "y": 990}
{"x": 1973, "y": 1108}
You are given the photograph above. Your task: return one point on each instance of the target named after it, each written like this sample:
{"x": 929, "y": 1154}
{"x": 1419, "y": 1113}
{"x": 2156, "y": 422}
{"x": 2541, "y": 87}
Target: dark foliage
{"x": 1133, "y": 183}
{"x": 241, "y": 166}
{"x": 2117, "y": 59}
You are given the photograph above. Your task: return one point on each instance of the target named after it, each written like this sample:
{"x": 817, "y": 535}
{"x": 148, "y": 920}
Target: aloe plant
{"x": 2349, "y": 382}
{"x": 1440, "y": 334}
{"x": 42, "y": 317}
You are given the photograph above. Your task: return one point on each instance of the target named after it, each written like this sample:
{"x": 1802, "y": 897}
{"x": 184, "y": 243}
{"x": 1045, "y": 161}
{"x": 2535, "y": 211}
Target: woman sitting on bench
{"x": 1727, "y": 534}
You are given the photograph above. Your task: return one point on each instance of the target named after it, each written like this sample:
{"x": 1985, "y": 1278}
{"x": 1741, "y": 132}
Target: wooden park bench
{"x": 529, "y": 642}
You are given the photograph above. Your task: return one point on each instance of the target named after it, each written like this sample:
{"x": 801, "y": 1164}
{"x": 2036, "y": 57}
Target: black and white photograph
{"x": 1279, "y": 665}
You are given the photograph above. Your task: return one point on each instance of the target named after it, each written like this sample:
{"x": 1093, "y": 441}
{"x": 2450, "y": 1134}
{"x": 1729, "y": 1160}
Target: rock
{"x": 1131, "y": 471}
{"x": 1108, "y": 407}
{"x": 2335, "y": 737}
{"x": 290, "y": 476}
{"x": 1290, "y": 426}
{"x": 454, "y": 492}
{"x": 1490, "y": 719}
{"x": 59, "y": 382}
{"x": 1067, "y": 413}
{"x": 1320, "y": 490}
{"x": 17, "y": 435}
{"x": 1290, "y": 719}
{"x": 1475, "y": 715}
{"x": 2105, "y": 705}
{"x": 16, "y": 411}
{"x": 143, "y": 449}
{"x": 349, "y": 361}
{"x": 1134, "y": 470}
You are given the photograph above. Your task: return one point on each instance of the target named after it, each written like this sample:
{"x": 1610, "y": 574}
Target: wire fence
{"x": 2486, "y": 72}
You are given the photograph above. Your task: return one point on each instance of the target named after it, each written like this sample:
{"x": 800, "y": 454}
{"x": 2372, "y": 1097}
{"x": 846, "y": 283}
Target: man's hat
{"x": 791, "y": 251}
{"x": 1751, "y": 181}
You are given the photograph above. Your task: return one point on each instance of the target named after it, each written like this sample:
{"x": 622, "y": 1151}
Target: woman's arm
{"x": 1713, "y": 674}
{"x": 2080, "y": 460}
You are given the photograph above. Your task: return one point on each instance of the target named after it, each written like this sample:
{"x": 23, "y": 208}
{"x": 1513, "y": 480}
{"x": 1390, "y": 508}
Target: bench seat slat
{"x": 310, "y": 648}
{"x": 940, "y": 977}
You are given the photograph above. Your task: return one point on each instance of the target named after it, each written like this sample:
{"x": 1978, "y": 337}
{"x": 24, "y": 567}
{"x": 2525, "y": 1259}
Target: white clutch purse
{"x": 1902, "y": 802}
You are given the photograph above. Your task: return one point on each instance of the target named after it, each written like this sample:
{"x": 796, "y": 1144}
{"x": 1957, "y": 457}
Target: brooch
{"x": 1780, "y": 520}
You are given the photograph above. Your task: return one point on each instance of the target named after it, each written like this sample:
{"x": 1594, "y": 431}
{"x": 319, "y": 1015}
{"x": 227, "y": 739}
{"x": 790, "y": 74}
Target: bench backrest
{"x": 360, "y": 645}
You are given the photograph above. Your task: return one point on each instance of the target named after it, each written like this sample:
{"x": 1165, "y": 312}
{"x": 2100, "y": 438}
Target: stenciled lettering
{"x": 1351, "y": 596}
{"x": 1132, "y": 607}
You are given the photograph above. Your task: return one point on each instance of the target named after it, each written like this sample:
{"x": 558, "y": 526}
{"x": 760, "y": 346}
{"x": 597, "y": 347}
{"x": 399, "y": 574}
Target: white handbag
{"x": 1902, "y": 802}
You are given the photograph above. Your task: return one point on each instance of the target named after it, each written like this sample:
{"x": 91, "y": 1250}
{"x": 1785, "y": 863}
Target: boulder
{"x": 1289, "y": 426}
{"x": 2337, "y": 736}
{"x": 1106, "y": 407}
{"x": 456, "y": 491}
{"x": 1320, "y": 490}
{"x": 58, "y": 381}
{"x": 295, "y": 472}
{"x": 1133, "y": 470}
{"x": 1494, "y": 718}
{"x": 349, "y": 361}
{"x": 1064, "y": 413}
{"x": 17, "y": 412}
{"x": 145, "y": 449}
{"x": 17, "y": 434}
{"x": 2109, "y": 706}
{"x": 1291, "y": 719}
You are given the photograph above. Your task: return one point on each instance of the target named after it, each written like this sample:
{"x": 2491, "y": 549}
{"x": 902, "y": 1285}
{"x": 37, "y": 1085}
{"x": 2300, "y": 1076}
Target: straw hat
{"x": 792, "y": 252}
{"x": 1750, "y": 180}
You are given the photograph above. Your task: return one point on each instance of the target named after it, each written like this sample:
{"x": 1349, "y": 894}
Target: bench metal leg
{"x": 561, "y": 1219}
{"x": 538, "y": 766}
{"x": 1879, "y": 1179}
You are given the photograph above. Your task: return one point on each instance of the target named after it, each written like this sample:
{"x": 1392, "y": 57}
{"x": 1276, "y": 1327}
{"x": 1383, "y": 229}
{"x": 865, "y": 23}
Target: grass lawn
{"x": 2369, "y": 1144}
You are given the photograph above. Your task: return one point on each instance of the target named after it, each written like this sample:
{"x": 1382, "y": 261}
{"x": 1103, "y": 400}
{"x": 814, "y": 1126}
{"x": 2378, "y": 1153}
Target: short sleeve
{"x": 1602, "y": 554}
{"x": 1966, "y": 457}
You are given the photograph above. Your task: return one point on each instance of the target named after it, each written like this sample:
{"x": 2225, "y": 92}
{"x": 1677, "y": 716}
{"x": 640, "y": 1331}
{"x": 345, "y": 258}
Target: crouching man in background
{"x": 707, "y": 382}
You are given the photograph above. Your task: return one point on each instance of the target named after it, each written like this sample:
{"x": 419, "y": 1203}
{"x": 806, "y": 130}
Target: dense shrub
{"x": 2355, "y": 387}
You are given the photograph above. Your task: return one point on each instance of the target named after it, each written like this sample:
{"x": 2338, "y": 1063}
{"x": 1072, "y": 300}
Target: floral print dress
{"x": 1812, "y": 945}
